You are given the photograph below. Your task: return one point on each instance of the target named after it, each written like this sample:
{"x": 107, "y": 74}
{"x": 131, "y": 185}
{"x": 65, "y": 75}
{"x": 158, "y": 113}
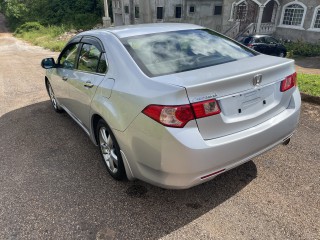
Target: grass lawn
{"x": 309, "y": 83}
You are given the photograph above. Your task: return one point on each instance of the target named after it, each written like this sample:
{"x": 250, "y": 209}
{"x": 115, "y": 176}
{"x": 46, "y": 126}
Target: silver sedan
{"x": 174, "y": 105}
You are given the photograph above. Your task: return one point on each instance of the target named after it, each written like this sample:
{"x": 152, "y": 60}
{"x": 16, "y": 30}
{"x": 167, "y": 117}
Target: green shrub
{"x": 47, "y": 37}
{"x": 290, "y": 54}
{"x": 28, "y": 27}
{"x": 304, "y": 49}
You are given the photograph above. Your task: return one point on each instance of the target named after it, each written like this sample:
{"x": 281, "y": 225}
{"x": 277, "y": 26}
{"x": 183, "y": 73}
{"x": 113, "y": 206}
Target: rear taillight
{"x": 250, "y": 45}
{"x": 179, "y": 116}
{"x": 206, "y": 108}
{"x": 171, "y": 116}
{"x": 289, "y": 82}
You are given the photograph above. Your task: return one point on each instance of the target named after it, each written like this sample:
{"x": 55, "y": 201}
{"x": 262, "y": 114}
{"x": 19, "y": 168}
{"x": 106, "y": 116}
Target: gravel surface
{"x": 53, "y": 184}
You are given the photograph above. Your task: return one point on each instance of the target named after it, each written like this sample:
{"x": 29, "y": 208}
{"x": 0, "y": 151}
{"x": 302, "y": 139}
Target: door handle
{"x": 64, "y": 78}
{"x": 88, "y": 84}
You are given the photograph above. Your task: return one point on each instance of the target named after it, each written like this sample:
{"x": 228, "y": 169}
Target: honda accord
{"x": 174, "y": 105}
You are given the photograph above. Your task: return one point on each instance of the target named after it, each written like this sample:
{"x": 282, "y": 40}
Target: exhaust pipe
{"x": 286, "y": 142}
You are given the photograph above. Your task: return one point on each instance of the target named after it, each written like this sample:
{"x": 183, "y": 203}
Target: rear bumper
{"x": 180, "y": 158}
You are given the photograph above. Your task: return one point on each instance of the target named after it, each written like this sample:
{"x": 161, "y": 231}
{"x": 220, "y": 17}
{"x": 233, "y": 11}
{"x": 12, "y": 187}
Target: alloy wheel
{"x": 108, "y": 150}
{"x": 52, "y": 97}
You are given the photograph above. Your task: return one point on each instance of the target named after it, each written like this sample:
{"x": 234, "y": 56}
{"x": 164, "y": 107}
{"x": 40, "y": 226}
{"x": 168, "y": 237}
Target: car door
{"x": 272, "y": 46}
{"x": 91, "y": 70}
{"x": 260, "y": 45}
{"x": 64, "y": 72}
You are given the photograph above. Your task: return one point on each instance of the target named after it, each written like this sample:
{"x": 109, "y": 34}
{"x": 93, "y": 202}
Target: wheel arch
{"x": 94, "y": 123}
{"x": 46, "y": 81}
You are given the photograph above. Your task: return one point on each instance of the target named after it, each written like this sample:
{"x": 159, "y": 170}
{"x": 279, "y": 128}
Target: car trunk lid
{"x": 244, "y": 101}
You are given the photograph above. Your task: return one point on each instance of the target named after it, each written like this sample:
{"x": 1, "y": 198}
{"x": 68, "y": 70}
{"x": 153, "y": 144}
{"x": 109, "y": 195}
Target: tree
{"x": 78, "y": 13}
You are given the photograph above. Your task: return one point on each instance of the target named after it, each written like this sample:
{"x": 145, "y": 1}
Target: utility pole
{"x": 106, "y": 19}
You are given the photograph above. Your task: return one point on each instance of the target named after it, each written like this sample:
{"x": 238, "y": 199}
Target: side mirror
{"x": 48, "y": 63}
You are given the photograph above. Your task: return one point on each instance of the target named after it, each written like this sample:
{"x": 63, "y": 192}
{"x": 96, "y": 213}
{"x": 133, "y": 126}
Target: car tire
{"x": 282, "y": 54}
{"x": 110, "y": 151}
{"x": 53, "y": 99}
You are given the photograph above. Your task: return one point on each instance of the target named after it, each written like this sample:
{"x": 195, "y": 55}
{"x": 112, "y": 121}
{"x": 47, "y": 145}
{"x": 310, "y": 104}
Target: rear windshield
{"x": 179, "y": 51}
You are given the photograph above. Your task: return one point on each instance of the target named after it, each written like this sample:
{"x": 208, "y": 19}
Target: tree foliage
{"x": 77, "y": 13}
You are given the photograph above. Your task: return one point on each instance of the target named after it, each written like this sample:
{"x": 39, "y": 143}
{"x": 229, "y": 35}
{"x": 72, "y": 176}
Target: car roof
{"x": 256, "y": 36}
{"x": 142, "y": 29}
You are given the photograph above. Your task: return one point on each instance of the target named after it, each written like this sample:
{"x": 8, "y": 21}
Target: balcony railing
{"x": 267, "y": 28}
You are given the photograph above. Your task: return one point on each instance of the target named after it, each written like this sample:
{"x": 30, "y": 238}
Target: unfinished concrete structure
{"x": 288, "y": 19}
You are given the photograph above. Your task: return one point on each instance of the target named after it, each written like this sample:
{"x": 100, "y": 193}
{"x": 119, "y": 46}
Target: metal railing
{"x": 233, "y": 31}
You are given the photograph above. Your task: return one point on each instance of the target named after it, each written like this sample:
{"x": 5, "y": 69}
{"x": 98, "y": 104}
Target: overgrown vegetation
{"x": 309, "y": 83}
{"x": 79, "y": 14}
{"x": 303, "y": 49}
{"x": 39, "y": 35}
{"x": 42, "y": 21}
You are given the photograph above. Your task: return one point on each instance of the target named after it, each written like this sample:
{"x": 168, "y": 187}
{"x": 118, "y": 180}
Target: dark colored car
{"x": 264, "y": 44}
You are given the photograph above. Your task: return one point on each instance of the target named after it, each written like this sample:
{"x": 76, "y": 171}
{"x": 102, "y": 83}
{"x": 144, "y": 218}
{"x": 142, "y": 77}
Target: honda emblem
{"x": 257, "y": 79}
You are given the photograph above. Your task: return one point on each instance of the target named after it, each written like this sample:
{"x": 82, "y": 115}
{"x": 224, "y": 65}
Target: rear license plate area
{"x": 248, "y": 102}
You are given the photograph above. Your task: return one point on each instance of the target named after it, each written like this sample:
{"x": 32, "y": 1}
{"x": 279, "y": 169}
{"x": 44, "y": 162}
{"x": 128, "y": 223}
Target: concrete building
{"x": 287, "y": 19}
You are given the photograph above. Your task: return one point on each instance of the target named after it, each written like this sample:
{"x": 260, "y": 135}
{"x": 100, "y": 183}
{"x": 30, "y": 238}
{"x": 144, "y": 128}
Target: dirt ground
{"x": 53, "y": 184}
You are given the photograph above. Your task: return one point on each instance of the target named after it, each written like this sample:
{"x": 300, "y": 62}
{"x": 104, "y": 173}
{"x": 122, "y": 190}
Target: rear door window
{"x": 89, "y": 58}
{"x": 102, "y": 67}
{"x": 271, "y": 40}
{"x": 257, "y": 40}
{"x": 246, "y": 40}
{"x": 262, "y": 40}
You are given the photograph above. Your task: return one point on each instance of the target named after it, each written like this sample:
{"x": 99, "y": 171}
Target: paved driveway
{"x": 53, "y": 184}
{"x": 310, "y": 65}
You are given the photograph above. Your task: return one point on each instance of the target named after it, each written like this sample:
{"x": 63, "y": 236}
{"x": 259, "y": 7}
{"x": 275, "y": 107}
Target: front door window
{"x": 68, "y": 57}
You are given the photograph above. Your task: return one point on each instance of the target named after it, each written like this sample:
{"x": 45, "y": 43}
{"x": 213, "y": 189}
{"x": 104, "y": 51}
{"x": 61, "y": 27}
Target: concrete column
{"x": 106, "y": 19}
{"x": 276, "y": 22}
{"x": 131, "y": 11}
{"x": 261, "y": 8}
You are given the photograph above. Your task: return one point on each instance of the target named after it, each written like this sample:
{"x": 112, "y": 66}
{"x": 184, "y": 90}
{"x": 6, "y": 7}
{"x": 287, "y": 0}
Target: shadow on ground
{"x": 310, "y": 65}
{"x": 54, "y": 185}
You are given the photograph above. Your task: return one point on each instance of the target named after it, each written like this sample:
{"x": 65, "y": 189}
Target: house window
{"x": 293, "y": 15}
{"x": 126, "y": 9}
{"x": 316, "y": 21}
{"x": 178, "y": 11}
{"x": 159, "y": 13}
{"x": 240, "y": 13}
{"x": 217, "y": 10}
{"x": 192, "y": 9}
{"x": 136, "y": 12}
{"x": 116, "y": 4}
